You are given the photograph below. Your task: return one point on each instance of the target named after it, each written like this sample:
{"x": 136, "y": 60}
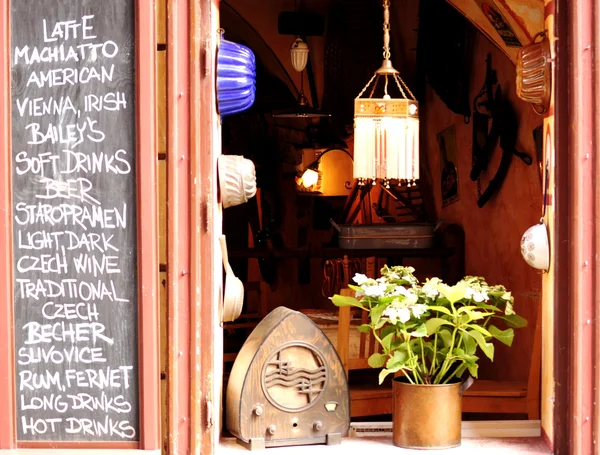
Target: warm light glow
{"x": 386, "y": 148}
{"x": 310, "y": 178}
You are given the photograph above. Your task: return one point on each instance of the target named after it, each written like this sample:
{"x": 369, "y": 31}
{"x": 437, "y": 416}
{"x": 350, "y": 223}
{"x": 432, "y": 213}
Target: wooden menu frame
{"x": 147, "y": 239}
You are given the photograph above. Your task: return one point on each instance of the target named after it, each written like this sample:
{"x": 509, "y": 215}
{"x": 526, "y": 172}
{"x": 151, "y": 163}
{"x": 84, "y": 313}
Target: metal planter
{"x": 426, "y": 416}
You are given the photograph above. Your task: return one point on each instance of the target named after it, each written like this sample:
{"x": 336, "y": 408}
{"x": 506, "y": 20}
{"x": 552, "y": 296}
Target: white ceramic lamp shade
{"x": 299, "y": 54}
{"x": 237, "y": 180}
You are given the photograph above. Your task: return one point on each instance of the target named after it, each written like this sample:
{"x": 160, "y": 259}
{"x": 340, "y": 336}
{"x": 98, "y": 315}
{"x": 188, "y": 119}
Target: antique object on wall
{"x": 325, "y": 172}
{"x": 287, "y": 385}
{"x": 237, "y": 179}
{"x": 386, "y": 129}
{"x": 236, "y": 78}
{"x": 534, "y": 73}
{"x": 233, "y": 295}
{"x": 490, "y": 104}
{"x": 535, "y": 244}
{"x": 448, "y": 159}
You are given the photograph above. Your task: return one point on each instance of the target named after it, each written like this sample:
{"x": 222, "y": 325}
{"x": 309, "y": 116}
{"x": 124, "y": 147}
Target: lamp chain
{"x": 386, "y": 29}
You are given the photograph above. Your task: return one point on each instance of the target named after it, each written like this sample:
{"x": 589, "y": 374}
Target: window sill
{"x": 474, "y": 446}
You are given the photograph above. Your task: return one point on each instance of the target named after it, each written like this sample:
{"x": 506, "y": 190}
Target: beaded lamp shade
{"x": 386, "y": 129}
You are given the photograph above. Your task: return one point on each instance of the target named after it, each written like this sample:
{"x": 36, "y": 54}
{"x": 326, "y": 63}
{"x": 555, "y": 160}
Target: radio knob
{"x": 318, "y": 425}
{"x": 258, "y": 410}
{"x": 271, "y": 429}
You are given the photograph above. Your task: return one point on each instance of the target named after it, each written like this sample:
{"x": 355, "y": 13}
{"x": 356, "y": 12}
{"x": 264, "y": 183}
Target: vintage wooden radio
{"x": 287, "y": 385}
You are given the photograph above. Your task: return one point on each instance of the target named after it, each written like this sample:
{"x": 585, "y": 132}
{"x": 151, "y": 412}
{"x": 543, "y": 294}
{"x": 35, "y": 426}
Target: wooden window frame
{"x": 147, "y": 248}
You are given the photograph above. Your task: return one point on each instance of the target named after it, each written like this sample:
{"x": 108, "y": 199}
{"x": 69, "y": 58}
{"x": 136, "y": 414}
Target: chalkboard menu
{"x": 74, "y": 220}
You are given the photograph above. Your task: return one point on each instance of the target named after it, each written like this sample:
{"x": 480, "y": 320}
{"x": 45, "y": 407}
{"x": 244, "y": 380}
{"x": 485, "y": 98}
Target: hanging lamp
{"x": 386, "y": 129}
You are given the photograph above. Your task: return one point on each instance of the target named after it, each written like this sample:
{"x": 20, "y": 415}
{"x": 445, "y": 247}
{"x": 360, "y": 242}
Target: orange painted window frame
{"x": 148, "y": 320}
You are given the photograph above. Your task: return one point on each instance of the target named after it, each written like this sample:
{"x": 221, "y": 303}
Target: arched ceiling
{"x": 509, "y": 24}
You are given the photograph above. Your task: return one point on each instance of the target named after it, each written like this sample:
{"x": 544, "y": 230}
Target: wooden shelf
{"x": 291, "y": 253}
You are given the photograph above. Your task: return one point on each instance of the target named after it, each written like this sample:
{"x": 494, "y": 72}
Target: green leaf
{"x": 503, "y": 336}
{"x": 487, "y": 348}
{"x": 376, "y": 313}
{"x": 386, "y": 341}
{"x": 460, "y": 370}
{"x": 474, "y": 315}
{"x": 480, "y": 329}
{"x": 387, "y": 330}
{"x": 469, "y": 343}
{"x": 466, "y": 308}
{"x": 486, "y": 306}
{"x": 420, "y": 332}
{"x": 364, "y": 328}
{"x": 434, "y": 324}
{"x": 397, "y": 360}
{"x": 473, "y": 369}
{"x": 446, "y": 337}
{"x": 344, "y": 300}
{"x": 441, "y": 309}
{"x": 382, "y": 374}
{"x": 355, "y": 288}
{"x": 456, "y": 292}
{"x": 514, "y": 320}
{"x": 377, "y": 360}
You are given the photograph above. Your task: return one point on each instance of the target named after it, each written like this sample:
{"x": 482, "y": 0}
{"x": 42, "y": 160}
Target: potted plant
{"x": 431, "y": 336}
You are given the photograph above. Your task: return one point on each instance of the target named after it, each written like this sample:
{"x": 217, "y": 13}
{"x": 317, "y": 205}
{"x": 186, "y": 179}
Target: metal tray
{"x": 386, "y": 236}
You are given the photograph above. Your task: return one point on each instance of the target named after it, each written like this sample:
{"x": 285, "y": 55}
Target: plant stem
{"x": 445, "y": 365}
{"x": 424, "y": 363}
{"x": 433, "y": 361}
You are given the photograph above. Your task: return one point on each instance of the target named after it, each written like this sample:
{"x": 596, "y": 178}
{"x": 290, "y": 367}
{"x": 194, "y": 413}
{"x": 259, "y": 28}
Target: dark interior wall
{"x": 493, "y": 232}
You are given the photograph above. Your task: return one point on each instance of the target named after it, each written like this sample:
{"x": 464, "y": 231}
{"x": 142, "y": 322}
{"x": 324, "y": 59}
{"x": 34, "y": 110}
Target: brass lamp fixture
{"x": 386, "y": 129}
{"x": 311, "y": 173}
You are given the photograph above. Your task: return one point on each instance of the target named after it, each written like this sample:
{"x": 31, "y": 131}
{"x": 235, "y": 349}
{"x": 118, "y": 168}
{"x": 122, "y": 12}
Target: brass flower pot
{"x": 426, "y": 416}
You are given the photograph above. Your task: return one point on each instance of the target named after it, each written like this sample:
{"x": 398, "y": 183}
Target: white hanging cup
{"x": 535, "y": 247}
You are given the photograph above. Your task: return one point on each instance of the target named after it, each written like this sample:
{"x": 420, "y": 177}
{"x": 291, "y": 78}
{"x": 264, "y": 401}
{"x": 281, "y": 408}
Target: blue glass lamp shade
{"x": 236, "y": 78}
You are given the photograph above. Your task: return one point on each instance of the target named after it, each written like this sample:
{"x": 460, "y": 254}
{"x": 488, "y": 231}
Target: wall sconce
{"x": 534, "y": 73}
{"x": 312, "y": 176}
{"x": 386, "y": 130}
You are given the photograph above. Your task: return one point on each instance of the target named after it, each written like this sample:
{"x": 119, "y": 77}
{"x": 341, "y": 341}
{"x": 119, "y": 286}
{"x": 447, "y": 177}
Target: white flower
{"x": 429, "y": 289}
{"x": 376, "y": 290}
{"x": 393, "y": 276}
{"x": 410, "y": 279}
{"x": 480, "y": 296}
{"x": 392, "y": 314}
{"x": 411, "y": 298}
{"x": 506, "y": 296}
{"x": 469, "y": 293}
{"x": 360, "y": 278}
{"x": 400, "y": 290}
{"x": 396, "y": 314}
{"x": 509, "y": 309}
{"x": 419, "y": 309}
{"x": 404, "y": 314}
